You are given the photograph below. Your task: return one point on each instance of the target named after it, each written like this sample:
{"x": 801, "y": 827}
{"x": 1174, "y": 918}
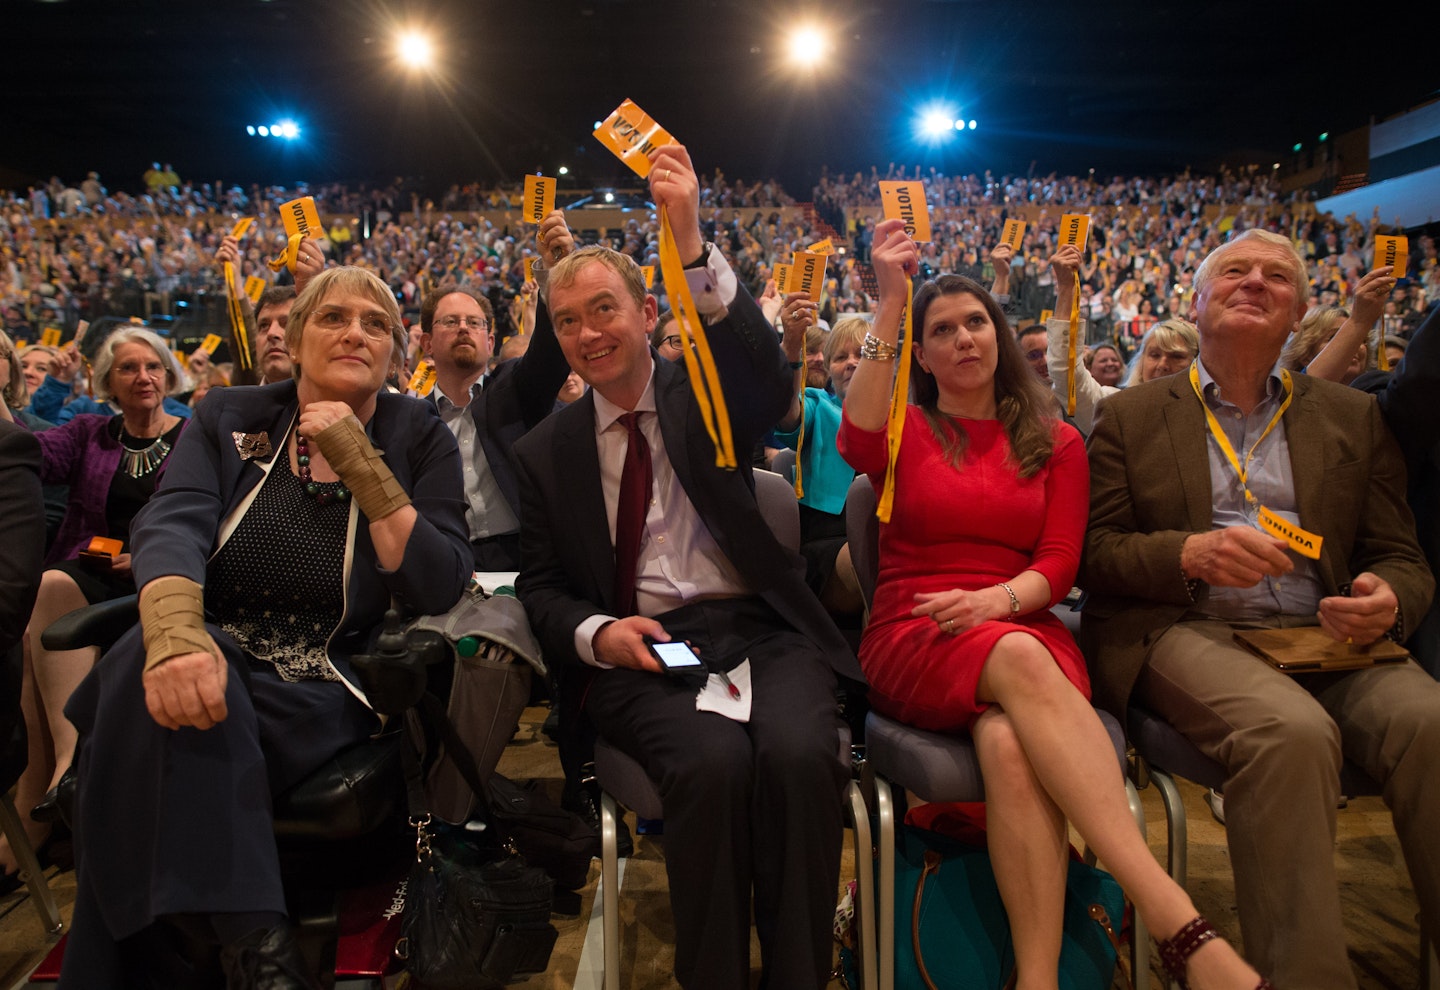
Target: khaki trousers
{"x": 1281, "y": 740}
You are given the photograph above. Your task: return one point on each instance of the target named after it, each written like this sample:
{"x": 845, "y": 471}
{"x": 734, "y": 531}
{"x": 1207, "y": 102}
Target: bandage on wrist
{"x": 172, "y": 620}
{"x": 362, "y": 468}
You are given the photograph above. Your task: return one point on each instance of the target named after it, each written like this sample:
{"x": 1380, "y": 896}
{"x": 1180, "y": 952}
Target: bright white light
{"x": 959, "y": 125}
{"x": 563, "y": 170}
{"x": 597, "y": 125}
{"x": 288, "y": 130}
{"x": 972, "y": 125}
{"x": 275, "y": 129}
{"x": 250, "y": 129}
{"x": 807, "y": 46}
{"x": 264, "y": 131}
{"x": 609, "y": 197}
{"x": 415, "y": 49}
{"x": 934, "y": 123}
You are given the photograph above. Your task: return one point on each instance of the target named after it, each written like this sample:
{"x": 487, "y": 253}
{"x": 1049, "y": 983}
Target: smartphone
{"x": 675, "y": 657}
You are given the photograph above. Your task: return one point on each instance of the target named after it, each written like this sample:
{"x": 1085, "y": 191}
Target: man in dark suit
{"x": 488, "y": 413}
{"x": 752, "y": 803}
{"x": 1176, "y": 560}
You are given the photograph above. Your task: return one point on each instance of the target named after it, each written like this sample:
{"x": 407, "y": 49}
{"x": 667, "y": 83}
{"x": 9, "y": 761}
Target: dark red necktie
{"x": 634, "y": 501}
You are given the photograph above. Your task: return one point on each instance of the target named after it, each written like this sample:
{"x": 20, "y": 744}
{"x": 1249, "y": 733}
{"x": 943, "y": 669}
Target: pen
{"x": 734, "y": 691}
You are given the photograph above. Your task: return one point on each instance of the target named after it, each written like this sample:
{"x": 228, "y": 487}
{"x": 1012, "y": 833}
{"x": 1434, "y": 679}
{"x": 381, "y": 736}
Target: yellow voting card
{"x": 1392, "y": 251}
{"x": 807, "y": 274}
{"x": 539, "y": 197}
{"x": 905, "y": 200}
{"x": 1075, "y": 229}
{"x": 301, "y": 217}
{"x": 1013, "y": 234}
{"x": 631, "y": 134}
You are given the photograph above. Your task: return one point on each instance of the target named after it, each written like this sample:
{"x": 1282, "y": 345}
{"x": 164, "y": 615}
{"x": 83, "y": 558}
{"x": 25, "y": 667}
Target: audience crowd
{"x": 72, "y": 255}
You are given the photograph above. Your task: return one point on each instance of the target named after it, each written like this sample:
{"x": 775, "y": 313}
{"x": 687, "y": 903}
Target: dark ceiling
{"x": 1120, "y": 87}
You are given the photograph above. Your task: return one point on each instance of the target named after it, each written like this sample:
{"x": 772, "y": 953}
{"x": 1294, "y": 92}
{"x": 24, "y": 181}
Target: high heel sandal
{"x": 1176, "y": 950}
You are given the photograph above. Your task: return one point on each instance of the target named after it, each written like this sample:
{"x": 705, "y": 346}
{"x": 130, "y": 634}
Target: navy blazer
{"x": 207, "y": 478}
{"x": 567, "y": 558}
{"x": 517, "y": 395}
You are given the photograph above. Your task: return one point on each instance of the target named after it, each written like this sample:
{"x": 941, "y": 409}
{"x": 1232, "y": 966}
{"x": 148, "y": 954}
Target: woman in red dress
{"x": 990, "y": 503}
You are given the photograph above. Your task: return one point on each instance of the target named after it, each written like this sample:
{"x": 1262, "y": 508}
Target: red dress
{"x": 967, "y": 529}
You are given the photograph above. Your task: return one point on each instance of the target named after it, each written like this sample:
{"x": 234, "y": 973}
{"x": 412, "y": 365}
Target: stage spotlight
{"x": 415, "y": 50}
{"x": 935, "y": 123}
{"x": 807, "y": 46}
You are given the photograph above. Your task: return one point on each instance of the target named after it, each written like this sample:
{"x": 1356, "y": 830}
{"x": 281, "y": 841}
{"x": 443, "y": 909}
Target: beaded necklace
{"x": 324, "y": 495}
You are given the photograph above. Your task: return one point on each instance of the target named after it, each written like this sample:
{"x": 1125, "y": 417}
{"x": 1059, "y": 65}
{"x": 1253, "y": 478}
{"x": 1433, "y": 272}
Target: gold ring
{"x": 666, "y": 176}
{"x": 949, "y": 624}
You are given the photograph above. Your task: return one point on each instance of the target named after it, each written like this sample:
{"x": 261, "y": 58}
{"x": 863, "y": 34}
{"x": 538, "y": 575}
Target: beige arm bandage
{"x": 354, "y": 458}
{"x": 172, "y": 617}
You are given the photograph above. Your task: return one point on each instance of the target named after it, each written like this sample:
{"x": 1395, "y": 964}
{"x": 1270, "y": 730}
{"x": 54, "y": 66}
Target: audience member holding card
{"x": 988, "y": 517}
{"x": 633, "y": 533}
{"x": 488, "y": 412}
{"x": 1167, "y": 348}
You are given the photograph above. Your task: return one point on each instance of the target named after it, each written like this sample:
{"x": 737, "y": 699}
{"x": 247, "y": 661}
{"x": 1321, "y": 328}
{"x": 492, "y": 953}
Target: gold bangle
{"x": 875, "y": 349}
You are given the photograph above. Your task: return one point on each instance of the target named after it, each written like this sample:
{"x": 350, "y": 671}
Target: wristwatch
{"x": 704, "y": 254}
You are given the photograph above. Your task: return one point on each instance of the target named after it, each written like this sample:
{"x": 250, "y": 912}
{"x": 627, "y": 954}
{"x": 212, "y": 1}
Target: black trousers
{"x": 179, "y": 822}
{"x": 753, "y": 807}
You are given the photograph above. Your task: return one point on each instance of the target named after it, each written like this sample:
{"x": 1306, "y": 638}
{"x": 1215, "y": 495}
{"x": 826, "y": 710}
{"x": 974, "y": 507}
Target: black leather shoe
{"x": 266, "y": 960}
{"x": 48, "y": 810}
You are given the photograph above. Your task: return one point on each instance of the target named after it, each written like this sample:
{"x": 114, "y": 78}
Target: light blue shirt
{"x": 1272, "y": 482}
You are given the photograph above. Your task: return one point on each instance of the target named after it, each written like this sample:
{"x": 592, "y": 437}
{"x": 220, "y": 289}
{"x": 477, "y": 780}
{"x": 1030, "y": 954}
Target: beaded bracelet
{"x": 875, "y": 349}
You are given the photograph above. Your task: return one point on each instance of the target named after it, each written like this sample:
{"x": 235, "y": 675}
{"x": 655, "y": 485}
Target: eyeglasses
{"x": 373, "y": 325}
{"x": 131, "y": 369}
{"x": 672, "y": 341}
{"x": 453, "y": 323}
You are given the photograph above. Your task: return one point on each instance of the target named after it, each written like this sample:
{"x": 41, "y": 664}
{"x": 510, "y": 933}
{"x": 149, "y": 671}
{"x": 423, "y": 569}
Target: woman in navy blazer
{"x": 297, "y": 513}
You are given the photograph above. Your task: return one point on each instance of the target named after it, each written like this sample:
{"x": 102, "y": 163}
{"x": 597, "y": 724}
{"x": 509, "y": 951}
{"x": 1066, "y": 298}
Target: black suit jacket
{"x": 517, "y": 395}
{"x": 568, "y": 560}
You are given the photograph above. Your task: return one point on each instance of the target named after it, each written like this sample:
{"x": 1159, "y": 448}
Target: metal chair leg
{"x": 864, "y": 886}
{"x": 1177, "y": 835}
{"x": 30, "y": 869}
{"x": 1139, "y": 935}
{"x": 610, "y": 891}
{"x": 885, "y": 914}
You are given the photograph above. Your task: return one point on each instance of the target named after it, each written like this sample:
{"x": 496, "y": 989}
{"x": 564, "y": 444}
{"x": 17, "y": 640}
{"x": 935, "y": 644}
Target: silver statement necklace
{"x": 138, "y": 463}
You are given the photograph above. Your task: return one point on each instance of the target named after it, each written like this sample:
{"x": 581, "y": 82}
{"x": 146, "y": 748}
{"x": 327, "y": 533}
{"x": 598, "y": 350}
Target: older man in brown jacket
{"x": 1177, "y": 558}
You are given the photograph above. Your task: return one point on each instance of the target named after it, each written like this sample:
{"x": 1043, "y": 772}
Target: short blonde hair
{"x": 567, "y": 269}
{"x": 345, "y": 278}
{"x": 105, "y": 360}
{"x": 1310, "y": 337}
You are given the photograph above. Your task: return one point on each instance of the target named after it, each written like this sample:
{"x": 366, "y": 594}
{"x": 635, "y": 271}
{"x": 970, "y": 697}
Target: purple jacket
{"x": 83, "y": 455}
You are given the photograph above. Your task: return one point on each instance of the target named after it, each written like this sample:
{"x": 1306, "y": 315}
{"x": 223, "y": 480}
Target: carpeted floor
{"x": 1379, "y": 902}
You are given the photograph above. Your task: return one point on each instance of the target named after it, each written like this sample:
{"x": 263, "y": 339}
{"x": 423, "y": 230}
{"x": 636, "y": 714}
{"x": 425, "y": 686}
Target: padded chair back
{"x": 784, "y": 464}
{"x": 779, "y": 507}
{"x": 862, "y": 529}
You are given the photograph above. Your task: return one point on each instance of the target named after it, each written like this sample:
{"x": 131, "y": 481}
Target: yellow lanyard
{"x": 1300, "y": 540}
{"x": 899, "y": 402}
{"x": 1242, "y": 470}
{"x": 704, "y": 376}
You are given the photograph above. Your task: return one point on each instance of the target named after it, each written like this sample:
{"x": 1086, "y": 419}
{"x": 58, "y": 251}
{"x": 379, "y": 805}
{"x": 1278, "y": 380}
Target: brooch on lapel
{"x": 253, "y": 446}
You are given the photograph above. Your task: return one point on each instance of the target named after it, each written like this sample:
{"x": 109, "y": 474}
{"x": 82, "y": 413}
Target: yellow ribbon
{"x": 1302, "y": 541}
{"x": 800, "y": 446}
{"x": 699, "y": 363}
{"x": 1070, "y": 367}
{"x": 899, "y": 401}
{"x": 288, "y": 257}
{"x": 232, "y": 302}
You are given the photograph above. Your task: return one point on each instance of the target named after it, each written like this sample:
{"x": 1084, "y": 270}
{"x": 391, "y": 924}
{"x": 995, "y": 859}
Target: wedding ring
{"x": 948, "y": 625}
{"x": 666, "y": 176}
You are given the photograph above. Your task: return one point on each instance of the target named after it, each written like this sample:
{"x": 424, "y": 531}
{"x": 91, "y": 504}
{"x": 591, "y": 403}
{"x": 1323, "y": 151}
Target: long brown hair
{"x": 1023, "y": 404}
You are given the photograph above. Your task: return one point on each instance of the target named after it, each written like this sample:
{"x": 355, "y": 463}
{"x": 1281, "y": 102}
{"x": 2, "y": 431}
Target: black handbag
{"x": 473, "y": 920}
{"x": 476, "y": 915}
